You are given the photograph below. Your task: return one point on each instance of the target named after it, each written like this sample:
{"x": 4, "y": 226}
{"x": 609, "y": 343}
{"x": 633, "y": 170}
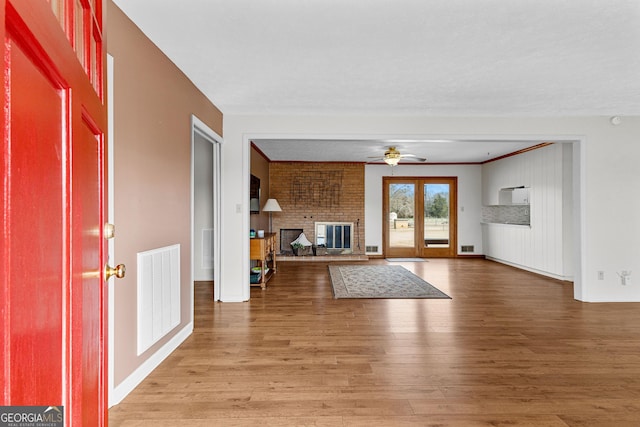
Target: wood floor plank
{"x": 456, "y": 421}
{"x": 511, "y": 348}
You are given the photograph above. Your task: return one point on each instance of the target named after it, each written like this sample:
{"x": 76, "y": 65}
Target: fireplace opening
{"x": 288, "y": 235}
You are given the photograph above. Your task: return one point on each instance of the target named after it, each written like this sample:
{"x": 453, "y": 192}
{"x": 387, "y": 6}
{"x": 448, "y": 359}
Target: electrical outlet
{"x": 600, "y": 275}
{"x": 624, "y": 276}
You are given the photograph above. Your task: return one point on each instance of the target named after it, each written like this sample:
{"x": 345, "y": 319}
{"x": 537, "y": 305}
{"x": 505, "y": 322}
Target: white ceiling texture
{"x": 402, "y": 57}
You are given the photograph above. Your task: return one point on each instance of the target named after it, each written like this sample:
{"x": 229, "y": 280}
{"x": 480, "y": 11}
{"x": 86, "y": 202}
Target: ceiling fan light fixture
{"x": 392, "y": 156}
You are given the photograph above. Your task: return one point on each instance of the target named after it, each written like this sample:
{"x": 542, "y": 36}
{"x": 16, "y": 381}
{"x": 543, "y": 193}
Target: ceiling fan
{"x": 392, "y": 157}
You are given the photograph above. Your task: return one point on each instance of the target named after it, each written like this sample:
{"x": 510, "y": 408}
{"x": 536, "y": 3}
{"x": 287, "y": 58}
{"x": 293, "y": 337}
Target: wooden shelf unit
{"x": 263, "y": 250}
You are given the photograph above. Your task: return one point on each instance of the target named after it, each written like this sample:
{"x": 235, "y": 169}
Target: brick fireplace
{"x": 318, "y": 192}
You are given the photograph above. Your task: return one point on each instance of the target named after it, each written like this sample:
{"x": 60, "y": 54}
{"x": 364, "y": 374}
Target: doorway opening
{"x": 205, "y": 206}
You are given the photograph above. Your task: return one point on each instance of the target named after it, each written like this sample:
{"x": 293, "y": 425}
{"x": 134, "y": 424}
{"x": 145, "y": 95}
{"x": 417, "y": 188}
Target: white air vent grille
{"x": 207, "y": 248}
{"x": 158, "y": 294}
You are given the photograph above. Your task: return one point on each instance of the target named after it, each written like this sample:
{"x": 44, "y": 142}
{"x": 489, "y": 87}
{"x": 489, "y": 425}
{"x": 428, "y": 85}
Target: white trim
{"x": 532, "y": 270}
{"x": 580, "y": 220}
{"x": 110, "y": 219}
{"x": 137, "y": 376}
{"x": 246, "y": 223}
{"x": 419, "y": 137}
{"x": 201, "y": 128}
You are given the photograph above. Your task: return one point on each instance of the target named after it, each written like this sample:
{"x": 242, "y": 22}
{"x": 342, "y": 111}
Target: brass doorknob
{"x": 118, "y": 271}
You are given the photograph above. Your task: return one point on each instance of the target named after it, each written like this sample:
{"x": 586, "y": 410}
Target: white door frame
{"x": 110, "y": 213}
{"x": 200, "y": 128}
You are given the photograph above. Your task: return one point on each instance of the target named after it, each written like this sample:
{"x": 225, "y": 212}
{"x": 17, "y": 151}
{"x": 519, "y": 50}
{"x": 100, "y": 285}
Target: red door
{"x": 52, "y": 292}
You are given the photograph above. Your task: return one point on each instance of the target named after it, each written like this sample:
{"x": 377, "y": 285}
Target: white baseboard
{"x": 532, "y": 270}
{"x": 121, "y": 391}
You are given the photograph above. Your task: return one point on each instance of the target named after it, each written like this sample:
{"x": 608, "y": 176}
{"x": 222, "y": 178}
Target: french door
{"x": 420, "y": 216}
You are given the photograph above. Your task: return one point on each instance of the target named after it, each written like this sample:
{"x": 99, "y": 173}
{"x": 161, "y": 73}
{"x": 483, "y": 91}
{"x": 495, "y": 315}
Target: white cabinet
{"x": 513, "y": 196}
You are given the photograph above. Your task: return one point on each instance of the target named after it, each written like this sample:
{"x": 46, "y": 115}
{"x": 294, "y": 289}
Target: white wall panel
{"x": 539, "y": 247}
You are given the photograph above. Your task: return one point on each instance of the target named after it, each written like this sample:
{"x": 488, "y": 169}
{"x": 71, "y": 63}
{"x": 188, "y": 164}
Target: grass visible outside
{"x": 434, "y": 228}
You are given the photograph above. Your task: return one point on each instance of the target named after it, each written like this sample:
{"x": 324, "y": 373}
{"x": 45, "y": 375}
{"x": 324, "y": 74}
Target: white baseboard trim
{"x": 121, "y": 391}
{"x": 532, "y": 270}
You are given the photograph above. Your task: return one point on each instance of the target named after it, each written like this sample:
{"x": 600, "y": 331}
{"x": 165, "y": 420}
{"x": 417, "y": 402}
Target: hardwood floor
{"x": 510, "y": 348}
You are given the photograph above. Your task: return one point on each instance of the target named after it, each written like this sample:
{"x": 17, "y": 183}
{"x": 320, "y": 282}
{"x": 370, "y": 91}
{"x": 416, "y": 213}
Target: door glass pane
{"x": 94, "y": 59}
{"x": 401, "y": 215}
{"x": 79, "y": 17}
{"x": 58, "y": 9}
{"x": 436, "y": 215}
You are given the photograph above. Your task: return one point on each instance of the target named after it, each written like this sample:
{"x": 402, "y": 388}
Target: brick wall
{"x": 310, "y": 192}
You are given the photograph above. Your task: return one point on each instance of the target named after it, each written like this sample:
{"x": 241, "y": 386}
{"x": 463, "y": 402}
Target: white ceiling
{"x": 401, "y": 57}
{"x": 372, "y": 150}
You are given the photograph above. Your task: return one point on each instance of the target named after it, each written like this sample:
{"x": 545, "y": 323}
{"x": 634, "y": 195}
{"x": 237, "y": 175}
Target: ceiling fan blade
{"x": 392, "y": 154}
{"x": 413, "y": 158}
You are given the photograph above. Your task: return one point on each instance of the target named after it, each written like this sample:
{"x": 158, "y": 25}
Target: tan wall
{"x": 153, "y": 104}
{"x": 310, "y": 192}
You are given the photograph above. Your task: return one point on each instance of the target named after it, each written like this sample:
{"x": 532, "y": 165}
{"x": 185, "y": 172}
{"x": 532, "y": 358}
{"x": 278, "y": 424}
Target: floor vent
{"x": 466, "y": 248}
{"x": 371, "y": 249}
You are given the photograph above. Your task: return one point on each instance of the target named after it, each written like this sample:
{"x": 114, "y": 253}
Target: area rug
{"x": 379, "y": 281}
